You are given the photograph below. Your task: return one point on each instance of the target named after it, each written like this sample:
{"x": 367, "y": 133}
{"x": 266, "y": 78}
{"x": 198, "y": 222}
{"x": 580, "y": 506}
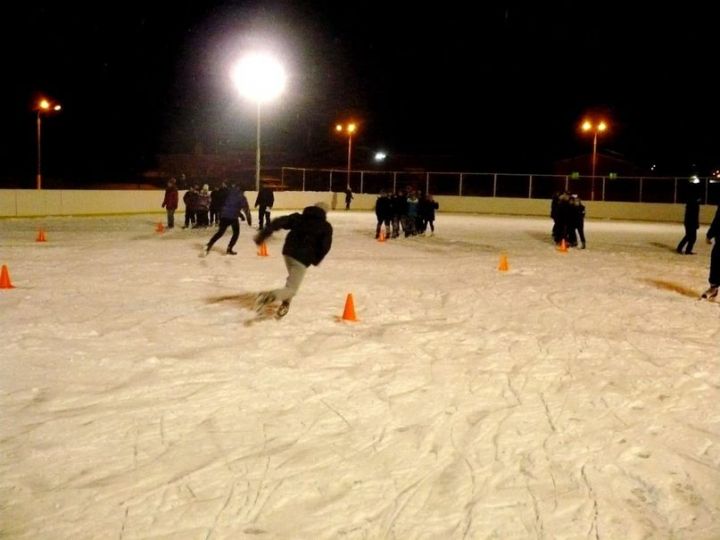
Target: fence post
{"x": 603, "y": 189}
{"x": 394, "y": 181}
{"x": 330, "y": 186}
{"x": 427, "y": 183}
{"x": 304, "y": 171}
{"x": 675, "y": 191}
{"x": 641, "y": 189}
{"x": 567, "y": 183}
{"x": 494, "y": 185}
{"x": 460, "y": 190}
{"x": 530, "y": 188}
{"x": 361, "y": 181}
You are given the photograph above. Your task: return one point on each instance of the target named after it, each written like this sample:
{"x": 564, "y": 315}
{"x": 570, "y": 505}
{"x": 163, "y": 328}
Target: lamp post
{"x": 261, "y": 78}
{"x": 348, "y": 128}
{"x": 595, "y": 128}
{"x": 43, "y": 106}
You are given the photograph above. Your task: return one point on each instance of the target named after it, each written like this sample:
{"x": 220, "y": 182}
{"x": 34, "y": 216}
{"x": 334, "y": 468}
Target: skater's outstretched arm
{"x": 283, "y": 222}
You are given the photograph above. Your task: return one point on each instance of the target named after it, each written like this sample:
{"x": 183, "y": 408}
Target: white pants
{"x": 296, "y": 273}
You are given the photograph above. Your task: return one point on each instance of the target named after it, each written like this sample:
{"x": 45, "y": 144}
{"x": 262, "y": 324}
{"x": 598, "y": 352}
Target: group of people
{"x": 307, "y": 243}
{"x": 568, "y": 214}
{"x": 691, "y": 222}
{"x": 409, "y": 211}
{"x": 204, "y": 207}
{"x": 310, "y": 236}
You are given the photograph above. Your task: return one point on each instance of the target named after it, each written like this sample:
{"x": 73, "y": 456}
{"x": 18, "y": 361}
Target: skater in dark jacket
{"x": 383, "y": 212}
{"x": 692, "y": 224}
{"x": 235, "y": 207}
{"x": 265, "y": 200}
{"x": 427, "y": 208}
{"x": 576, "y": 226}
{"x": 713, "y": 237}
{"x": 307, "y": 243}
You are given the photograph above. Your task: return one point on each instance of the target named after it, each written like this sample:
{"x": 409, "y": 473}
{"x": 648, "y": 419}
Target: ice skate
{"x": 262, "y": 300}
{"x": 711, "y": 293}
{"x": 283, "y": 309}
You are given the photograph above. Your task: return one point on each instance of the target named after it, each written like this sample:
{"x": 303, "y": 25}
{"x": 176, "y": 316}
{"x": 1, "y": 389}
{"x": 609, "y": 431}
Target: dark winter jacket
{"x": 383, "y": 208}
{"x": 692, "y": 214}
{"x": 265, "y": 197}
{"x": 714, "y": 230}
{"x": 426, "y": 209}
{"x": 310, "y": 236}
{"x": 217, "y": 198}
{"x": 235, "y": 206}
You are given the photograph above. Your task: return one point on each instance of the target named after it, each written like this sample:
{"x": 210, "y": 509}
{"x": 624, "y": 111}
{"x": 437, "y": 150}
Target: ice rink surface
{"x": 575, "y": 395}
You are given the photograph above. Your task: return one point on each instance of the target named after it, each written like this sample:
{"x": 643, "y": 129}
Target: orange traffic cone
{"x": 503, "y": 266}
{"x": 5, "y": 279}
{"x": 349, "y": 312}
{"x": 262, "y": 250}
{"x": 40, "y": 236}
{"x": 563, "y": 246}
{"x": 381, "y": 238}
{"x": 159, "y": 227}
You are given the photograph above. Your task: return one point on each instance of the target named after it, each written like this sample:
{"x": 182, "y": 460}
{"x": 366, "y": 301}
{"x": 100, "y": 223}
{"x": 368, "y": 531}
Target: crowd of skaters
{"x": 568, "y": 215}
{"x": 204, "y": 206}
{"x": 407, "y": 211}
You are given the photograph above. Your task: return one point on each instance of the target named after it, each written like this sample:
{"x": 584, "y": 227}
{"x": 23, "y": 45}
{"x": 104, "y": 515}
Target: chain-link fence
{"x": 526, "y": 186}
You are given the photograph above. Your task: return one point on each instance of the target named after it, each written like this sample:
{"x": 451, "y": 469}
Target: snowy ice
{"x": 573, "y": 396}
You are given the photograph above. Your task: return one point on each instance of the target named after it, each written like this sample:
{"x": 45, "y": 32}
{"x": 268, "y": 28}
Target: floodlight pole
{"x": 349, "y": 158}
{"x": 594, "y": 162}
{"x": 257, "y": 152}
{"x": 38, "y": 178}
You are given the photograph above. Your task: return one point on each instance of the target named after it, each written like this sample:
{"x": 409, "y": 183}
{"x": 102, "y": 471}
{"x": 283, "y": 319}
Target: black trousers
{"x": 689, "y": 240}
{"x": 714, "y": 278}
{"x": 263, "y": 215}
{"x": 224, "y": 224}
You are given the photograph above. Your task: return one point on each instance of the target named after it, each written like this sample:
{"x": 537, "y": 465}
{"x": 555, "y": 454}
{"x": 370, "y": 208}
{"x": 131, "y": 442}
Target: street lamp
{"x": 43, "y": 106}
{"x": 348, "y": 128}
{"x": 595, "y": 128}
{"x": 260, "y": 78}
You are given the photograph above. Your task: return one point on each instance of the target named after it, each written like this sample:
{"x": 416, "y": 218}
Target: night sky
{"x": 497, "y": 86}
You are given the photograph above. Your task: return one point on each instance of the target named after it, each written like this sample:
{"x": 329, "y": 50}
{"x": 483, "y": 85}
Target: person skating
{"x": 235, "y": 207}
{"x": 692, "y": 224}
{"x": 170, "y": 202}
{"x": 307, "y": 243}
{"x": 713, "y": 237}
{"x": 265, "y": 200}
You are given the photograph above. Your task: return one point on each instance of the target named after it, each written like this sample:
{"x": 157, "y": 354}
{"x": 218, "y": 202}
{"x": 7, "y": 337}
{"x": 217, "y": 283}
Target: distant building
{"x": 201, "y": 168}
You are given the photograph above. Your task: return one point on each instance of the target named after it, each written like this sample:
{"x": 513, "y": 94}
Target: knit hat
{"x": 325, "y": 207}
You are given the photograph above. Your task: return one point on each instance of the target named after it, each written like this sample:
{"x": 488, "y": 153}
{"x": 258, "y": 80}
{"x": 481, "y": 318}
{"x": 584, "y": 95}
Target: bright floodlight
{"x": 380, "y": 156}
{"x": 602, "y": 126}
{"x": 587, "y": 126}
{"x": 259, "y": 77}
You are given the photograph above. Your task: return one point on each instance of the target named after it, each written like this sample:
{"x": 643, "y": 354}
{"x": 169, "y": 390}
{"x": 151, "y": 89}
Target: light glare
{"x": 259, "y": 77}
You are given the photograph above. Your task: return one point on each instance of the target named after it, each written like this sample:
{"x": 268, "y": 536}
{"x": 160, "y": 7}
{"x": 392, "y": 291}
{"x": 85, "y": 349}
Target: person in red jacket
{"x": 170, "y": 202}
